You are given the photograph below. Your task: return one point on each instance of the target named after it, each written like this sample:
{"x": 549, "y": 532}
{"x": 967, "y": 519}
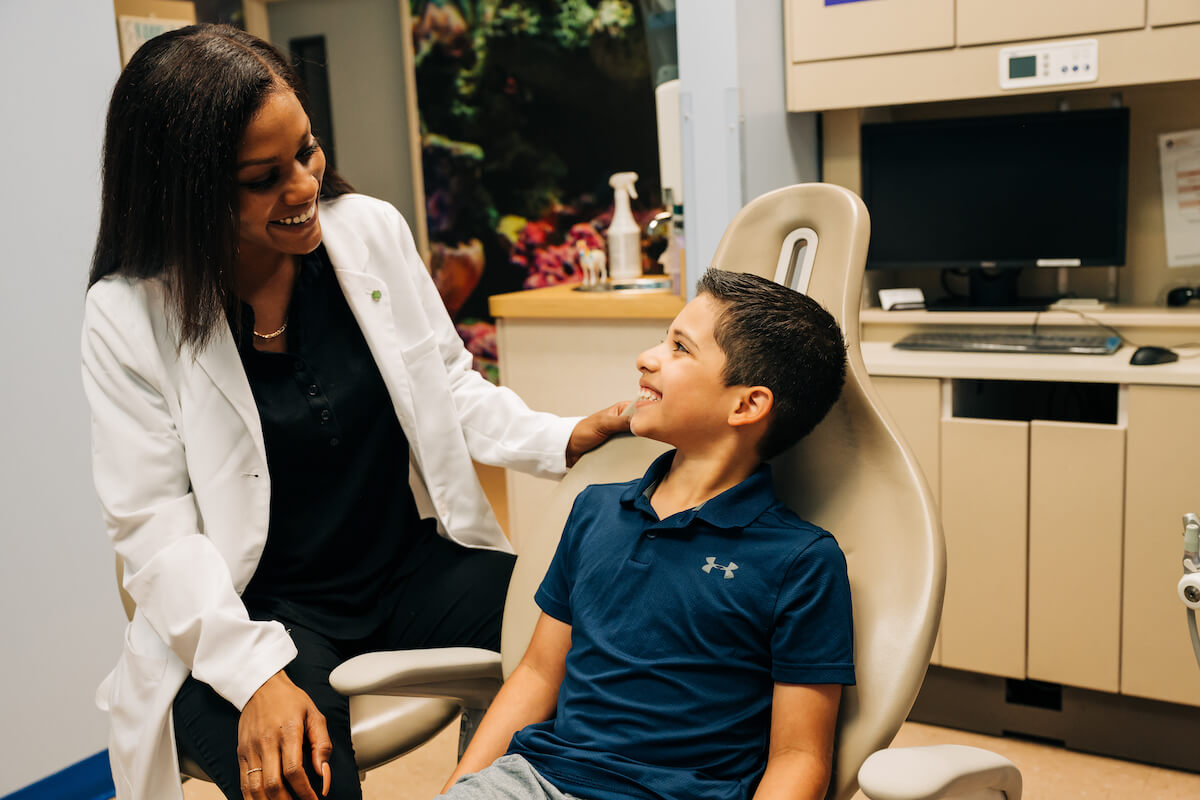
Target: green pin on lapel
{"x": 375, "y": 295}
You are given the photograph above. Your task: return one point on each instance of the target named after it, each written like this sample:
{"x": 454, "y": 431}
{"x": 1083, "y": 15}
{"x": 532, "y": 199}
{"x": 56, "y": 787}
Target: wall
{"x": 1153, "y": 109}
{"x": 62, "y": 622}
{"x": 739, "y": 141}
{"x": 367, "y": 86}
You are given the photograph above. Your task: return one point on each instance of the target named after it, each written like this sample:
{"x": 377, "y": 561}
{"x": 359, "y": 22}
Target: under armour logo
{"x": 711, "y": 563}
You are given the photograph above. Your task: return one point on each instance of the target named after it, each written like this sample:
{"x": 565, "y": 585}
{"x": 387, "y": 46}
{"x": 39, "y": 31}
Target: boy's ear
{"x": 754, "y": 403}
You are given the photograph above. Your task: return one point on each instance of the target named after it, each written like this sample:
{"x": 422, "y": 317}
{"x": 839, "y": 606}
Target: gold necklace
{"x": 272, "y": 334}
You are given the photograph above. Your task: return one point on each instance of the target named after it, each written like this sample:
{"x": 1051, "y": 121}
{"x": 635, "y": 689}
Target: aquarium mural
{"x": 526, "y": 110}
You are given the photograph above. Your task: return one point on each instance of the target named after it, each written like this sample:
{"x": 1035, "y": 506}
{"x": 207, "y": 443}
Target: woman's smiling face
{"x": 279, "y": 171}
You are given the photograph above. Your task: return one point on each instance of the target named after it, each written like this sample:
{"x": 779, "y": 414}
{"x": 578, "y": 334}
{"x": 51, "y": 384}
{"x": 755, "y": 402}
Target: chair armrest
{"x": 938, "y": 771}
{"x": 469, "y": 675}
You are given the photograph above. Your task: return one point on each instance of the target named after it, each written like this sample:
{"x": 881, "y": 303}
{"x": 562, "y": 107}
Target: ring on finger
{"x": 252, "y": 771}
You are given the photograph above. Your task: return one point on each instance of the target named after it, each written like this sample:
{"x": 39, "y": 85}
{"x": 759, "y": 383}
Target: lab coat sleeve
{"x": 499, "y": 428}
{"x": 174, "y": 573}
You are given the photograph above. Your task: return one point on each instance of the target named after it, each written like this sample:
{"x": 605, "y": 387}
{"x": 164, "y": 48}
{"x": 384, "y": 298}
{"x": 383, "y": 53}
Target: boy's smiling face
{"x": 684, "y": 400}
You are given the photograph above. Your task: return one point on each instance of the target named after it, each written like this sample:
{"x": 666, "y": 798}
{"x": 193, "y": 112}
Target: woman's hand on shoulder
{"x": 594, "y": 429}
{"x": 272, "y": 730}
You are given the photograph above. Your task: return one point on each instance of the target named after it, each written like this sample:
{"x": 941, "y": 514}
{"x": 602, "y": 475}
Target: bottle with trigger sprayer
{"x": 624, "y": 236}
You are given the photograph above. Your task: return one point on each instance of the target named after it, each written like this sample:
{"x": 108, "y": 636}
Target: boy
{"x": 695, "y": 634}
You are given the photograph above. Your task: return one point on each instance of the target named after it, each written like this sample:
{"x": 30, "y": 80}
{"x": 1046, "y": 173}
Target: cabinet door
{"x": 916, "y": 406}
{"x": 984, "y": 21}
{"x": 820, "y": 31}
{"x": 1173, "y": 12}
{"x": 1076, "y": 510}
{"x": 985, "y": 496}
{"x": 568, "y": 368}
{"x": 1162, "y": 482}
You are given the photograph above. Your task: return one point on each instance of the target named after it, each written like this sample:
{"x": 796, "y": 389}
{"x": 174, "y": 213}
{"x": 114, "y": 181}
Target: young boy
{"x": 695, "y": 633}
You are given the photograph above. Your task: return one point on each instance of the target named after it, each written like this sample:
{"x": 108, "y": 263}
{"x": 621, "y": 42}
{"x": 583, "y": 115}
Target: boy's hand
{"x": 593, "y": 430}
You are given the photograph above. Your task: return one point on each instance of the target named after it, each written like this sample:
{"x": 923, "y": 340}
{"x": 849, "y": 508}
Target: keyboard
{"x": 975, "y": 340}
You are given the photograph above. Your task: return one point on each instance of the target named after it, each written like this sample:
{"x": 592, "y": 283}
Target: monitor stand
{"x": 993, "y": 290}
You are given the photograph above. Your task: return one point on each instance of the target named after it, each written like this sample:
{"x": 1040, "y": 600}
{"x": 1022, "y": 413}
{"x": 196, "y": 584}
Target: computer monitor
{"x": 998, "y": 193}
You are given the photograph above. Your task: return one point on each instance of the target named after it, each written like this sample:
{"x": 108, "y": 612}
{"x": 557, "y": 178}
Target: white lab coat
{"x": 181, "y": 472}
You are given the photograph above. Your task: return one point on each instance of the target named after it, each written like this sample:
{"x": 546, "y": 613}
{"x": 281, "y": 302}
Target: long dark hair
{"x": 169, "y": 198}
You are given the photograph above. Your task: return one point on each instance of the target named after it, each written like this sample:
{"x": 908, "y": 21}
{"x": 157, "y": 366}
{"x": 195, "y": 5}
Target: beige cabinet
{"x": 1172, "y": 12}
{"x": 1076, "y": 510}
{"x": 568, "y": 368}
{"x": 820, "y": 31}
{"x": 1162, "y": 483}
{"x": 897, "y": 52}
{"x": 988, "y": 21}
{"x": 984, "y": 511}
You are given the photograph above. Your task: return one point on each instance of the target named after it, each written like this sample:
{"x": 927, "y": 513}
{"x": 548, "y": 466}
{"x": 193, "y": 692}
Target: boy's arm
{"x": 803, "y": 718}
{"x": 529, "y": 695}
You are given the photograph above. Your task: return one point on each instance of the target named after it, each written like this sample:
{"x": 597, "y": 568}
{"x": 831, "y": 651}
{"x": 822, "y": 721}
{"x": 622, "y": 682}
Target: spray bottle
{"x": 624, "y": 235}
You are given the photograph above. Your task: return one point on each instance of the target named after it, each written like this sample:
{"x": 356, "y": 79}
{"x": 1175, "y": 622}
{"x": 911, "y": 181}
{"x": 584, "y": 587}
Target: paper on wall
{"x": 133, "y": 32}
{"x": 1179, "y": 156}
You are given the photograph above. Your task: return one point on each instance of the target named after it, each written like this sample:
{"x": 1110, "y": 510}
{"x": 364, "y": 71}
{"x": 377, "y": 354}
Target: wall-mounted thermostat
{"x": 1049, "y": 64}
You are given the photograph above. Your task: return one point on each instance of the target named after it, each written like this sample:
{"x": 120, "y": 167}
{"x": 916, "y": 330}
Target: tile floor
{"x": 1049, "y": 773}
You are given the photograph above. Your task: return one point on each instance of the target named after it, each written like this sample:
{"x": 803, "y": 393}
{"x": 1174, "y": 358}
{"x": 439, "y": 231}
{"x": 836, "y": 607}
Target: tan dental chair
{"x": 382, "y": 727}
{"x": 853, "y": 476}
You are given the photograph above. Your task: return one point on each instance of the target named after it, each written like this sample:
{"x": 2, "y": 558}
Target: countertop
{"x": 563, "y": 302}
{"x": 883, "y": 359}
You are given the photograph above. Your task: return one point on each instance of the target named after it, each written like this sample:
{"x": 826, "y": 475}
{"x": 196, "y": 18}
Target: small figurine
{"x": 594, "y": 264}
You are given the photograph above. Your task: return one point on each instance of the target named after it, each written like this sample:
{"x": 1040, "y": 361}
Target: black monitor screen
{"x": 1008, "y": 191}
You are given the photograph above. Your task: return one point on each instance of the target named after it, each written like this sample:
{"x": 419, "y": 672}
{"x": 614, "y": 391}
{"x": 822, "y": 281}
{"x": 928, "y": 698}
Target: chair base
{"x": 1131, "y": 728}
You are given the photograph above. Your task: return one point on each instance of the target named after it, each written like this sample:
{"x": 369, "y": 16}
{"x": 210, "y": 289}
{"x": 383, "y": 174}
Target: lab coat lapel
{"x": 370, "y": 300}
{"x": 221, "y": 362}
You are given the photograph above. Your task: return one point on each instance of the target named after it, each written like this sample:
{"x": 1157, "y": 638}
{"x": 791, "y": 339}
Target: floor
{"x": 1049, "y": 773}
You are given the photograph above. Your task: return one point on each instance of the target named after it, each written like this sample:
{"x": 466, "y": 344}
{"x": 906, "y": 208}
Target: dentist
{"x": 284, "y": 421}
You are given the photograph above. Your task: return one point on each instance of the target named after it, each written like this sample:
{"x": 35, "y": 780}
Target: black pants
{"x": 452, "y": 596}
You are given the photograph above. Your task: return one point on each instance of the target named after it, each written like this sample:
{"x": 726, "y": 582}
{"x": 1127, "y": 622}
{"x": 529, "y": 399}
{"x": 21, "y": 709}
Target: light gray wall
{"x": 61, "y": 621}
{"x": 363, "y": 46}
{"x": 739, "y": 141}
{"x": 779, "y": 148}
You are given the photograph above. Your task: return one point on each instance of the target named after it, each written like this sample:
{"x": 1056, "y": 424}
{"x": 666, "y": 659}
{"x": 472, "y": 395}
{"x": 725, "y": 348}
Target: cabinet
{"x": 984, "y": 511}
{"x": 822, "y": 31}
{"x": 1173, "y": 12}
{"x": 986, "y": 21}
{"x": 1062, "y": 537}
{"x": 1162, "y": 482}
{"x": 865, "y": 54}
{"x": 1076, "y": 505}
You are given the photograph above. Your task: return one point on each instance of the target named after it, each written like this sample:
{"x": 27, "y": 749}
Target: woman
{"x": 283, "y": 426}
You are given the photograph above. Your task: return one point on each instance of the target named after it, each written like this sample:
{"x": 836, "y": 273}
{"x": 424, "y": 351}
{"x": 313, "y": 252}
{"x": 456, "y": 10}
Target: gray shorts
{"x": 508, "y": 778}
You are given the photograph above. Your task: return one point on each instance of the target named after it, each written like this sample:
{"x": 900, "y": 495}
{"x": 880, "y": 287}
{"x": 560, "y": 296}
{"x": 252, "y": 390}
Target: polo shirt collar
{"x": 736, "y": 507}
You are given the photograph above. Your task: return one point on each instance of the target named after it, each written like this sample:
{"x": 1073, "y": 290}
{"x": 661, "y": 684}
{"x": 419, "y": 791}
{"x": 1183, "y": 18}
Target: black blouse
{"x": 343, "y": 517}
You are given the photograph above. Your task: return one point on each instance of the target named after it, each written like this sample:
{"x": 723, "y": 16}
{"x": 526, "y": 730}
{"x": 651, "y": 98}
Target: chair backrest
{"x": 853, "y": 476}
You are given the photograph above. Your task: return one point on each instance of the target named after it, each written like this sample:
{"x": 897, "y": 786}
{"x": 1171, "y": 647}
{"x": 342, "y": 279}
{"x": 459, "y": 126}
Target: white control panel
{"x": 1049, "y": 64}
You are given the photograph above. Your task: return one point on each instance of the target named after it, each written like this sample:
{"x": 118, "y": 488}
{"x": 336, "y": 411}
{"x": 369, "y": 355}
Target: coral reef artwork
{"x": 527, "y": 107}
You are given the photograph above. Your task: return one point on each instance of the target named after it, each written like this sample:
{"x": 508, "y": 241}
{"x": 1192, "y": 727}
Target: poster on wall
{"x": 133, "y": 32}
{"x": 1179, "y": 157}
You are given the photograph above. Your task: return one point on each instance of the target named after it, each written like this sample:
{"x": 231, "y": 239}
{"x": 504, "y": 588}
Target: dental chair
{"x": 852, "y": 476}
{"x": 382, "y": 727}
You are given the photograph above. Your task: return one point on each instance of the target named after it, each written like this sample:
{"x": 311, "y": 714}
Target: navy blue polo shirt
{"x": 679, "y": 629}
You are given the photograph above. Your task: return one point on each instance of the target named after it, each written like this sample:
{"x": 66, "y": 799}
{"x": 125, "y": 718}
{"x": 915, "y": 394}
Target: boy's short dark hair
{"x": 776, "y": 337}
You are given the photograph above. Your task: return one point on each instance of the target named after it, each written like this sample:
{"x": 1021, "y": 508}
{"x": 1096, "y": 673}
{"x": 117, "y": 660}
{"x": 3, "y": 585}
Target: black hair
{"x": 776, "y": 337}
{"x": 169, "y": 197}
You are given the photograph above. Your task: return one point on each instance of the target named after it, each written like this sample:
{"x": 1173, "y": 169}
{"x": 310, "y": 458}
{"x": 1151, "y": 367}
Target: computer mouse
{"x": 1144, "y": 356}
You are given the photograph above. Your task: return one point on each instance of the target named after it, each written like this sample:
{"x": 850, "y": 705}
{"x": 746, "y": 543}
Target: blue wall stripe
{"x": 89, "y": 779}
